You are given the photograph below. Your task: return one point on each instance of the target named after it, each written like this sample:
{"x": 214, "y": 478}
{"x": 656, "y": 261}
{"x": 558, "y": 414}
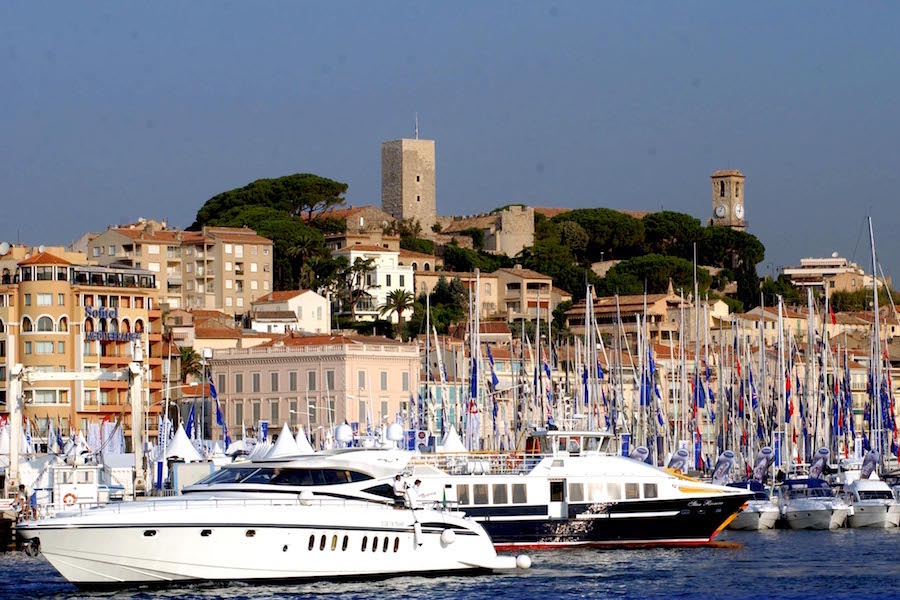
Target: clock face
{"x": 721, "y": 211}
{"x": 739, "y": 211}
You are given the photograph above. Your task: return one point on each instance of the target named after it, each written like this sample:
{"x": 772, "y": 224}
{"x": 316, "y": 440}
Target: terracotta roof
{"x": 274, "y": 315}
{"x": 364, "y": 248}
{"x": 525, "y": 273}
{"x": 448, "y": 275}
{"x": 727, "y": 173}
{"x": 44, "y": 258}
{"x": 205, "y": 313}
{"x": 203, "y": 332}
{"x": 481, "y": 222}
{"x": 239, "y": 238}
{"x": 411, "y": 254}
{"x": 282, "y": 296}
{"x": 163, "y": 235}
{"x": 561, "y": 291}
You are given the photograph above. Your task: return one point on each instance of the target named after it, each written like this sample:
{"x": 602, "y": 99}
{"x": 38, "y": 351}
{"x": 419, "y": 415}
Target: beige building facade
{"x": 318, "y": 382}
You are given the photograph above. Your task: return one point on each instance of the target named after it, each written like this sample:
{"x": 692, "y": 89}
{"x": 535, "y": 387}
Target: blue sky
{"x": 113, "y": 111}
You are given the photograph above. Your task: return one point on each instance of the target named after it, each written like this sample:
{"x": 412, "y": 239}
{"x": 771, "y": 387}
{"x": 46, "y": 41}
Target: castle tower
{"x": 728, "y": 199}
{"x": 407, "y": 181}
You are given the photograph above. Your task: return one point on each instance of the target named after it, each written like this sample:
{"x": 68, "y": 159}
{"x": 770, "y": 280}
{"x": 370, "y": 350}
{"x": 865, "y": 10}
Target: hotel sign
{"x": 107, "y": 336}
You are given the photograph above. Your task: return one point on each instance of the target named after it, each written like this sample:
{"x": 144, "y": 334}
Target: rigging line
{"x": 858, "y": 237}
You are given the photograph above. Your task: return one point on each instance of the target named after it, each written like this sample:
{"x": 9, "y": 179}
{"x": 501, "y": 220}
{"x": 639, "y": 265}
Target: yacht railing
{"x": 473, "y": 463}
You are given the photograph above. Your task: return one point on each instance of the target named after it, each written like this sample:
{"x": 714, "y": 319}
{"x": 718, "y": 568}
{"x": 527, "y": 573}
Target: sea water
{"x": 846, "y": 563}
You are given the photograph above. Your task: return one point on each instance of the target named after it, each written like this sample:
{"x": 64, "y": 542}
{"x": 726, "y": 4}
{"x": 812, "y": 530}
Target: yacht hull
{"x": 757, "y": 516}
{"x": 893, "y": 515}
{"x": 816, "y": 518}
{"x": 279, "y": 543}
{"x": 681, "y": 522}
{"x": 869, "y": 514}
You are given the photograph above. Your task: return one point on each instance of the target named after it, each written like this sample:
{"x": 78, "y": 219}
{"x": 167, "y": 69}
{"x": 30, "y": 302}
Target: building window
{"x": 27, "y": 325}
{"x": 60, "y": 347}
{"x": 238, "y": 413}
{"x": 311, "y": 412}
{"x": 405, "y": 382}
{"x": 238, "y": 383}
{"x": 311, "y": 381}
{"x": 254, "y": 385}
{"x": 384, "y": 381}
{"x": 253, "y": 268}
{"x": 329, "y": 380}
{"x": 292, "y": 381}
{"x": 27, "y": 299}
{"x": 60, "y": 299}
{"x": 722, "y": 189}
{"x": 361, "y": 380}
{"x": 292, "y": 412}
{"x": 273, "y": 411}
{"x": 45, "y": 299}
{"x": 427, "y": 267}
{"x": 227, "y": 248}
{"x": 221, "y": 387}
{"x": 387, "y": 280}
{"x": 43, "y": 347}
{"x": 27, "y": 347}
{"x": 45, "y": 324}
{"x": 256, "y": 413}
{"x": 418, "y": 198}
{"x": 487, "y": 288}
{"x": 418, "y": 178}
{"x": 384, "y": 409}
{"x": 402, "y": 281}
{"x": 273, "y": 381}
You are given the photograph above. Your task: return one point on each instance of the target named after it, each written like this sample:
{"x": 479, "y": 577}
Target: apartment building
{"x": 488, "y": 282}
{"x": 223, "y": 268}
{"x": 316, "y": 381}
{"x": 294, "y": 310}
{"x": 59, "y": 314}
{"x": 386, "y": 276}
{"x": 525, "y": 293}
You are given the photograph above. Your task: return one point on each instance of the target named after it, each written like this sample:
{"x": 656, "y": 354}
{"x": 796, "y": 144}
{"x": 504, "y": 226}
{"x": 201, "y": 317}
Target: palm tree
{"x": 398, "y": 301}
{"x": 191, "y": 363}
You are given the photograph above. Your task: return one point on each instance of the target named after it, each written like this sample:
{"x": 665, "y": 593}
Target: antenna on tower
{"x": 417, "y": 126}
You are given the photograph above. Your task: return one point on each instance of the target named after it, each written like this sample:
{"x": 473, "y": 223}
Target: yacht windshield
{"x": 286, "y": 476}
{"x": 875, "y": 495}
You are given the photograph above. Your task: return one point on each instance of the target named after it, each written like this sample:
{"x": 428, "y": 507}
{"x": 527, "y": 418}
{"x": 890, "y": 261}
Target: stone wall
{"x": 408, "y": 181}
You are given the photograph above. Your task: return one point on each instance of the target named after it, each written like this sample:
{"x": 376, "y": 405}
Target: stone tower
{"x": 728, "y": 199}
{"x": 407, "y": 181}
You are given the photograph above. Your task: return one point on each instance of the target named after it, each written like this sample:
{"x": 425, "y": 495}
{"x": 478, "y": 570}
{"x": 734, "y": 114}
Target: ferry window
{"x": 519, "y": 495}
{"x": 365, "y": 542}
{"x": 632, "y": 491}
{"x": 595, "y": 492}
{"x": 261, "y": 476}
{"x": 480, "y": 493}
{"x": 500, "y": 495}
{"x": 375, "y": 544}
{"x": 344, "y": 544}
{"x": 396, "y": 544}
{"x": 650, "y": 490}
{"x": 385, "y": 546}
{"x": 557, "y": 491}
{"x": 333, "y": 543}
{"x": 462, "y": 493}
{"x": 614, "y": 491}
{"x": 312, "y": 541}
{"x": 576, "y": 492}
{"x": 85, "y": 477}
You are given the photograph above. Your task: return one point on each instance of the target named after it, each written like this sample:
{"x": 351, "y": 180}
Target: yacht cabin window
{"x": 650, "y": 490}
{"x": 614, "y": 491}
{"x": 462, "y": 493}
{"x": 632, "y": 491}
{"x": 519, "y": 494}
{"x": 500, "y": 495}
{"x": 480, "y": 493}
{"x": 557, "y": 491}
{"x": 576, "y": 492}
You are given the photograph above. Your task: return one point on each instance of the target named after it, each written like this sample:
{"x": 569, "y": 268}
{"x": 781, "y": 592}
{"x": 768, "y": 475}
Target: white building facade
{"x": 386, "y": 276}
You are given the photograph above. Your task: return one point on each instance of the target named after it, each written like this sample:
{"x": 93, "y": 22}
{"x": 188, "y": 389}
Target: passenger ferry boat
{"x": 573, "y": 490}
{"x": 293, "y": 518}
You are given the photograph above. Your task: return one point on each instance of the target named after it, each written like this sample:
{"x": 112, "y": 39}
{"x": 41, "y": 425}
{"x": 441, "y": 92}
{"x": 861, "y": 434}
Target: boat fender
{"x": 70, "y": 499}
{"x": 417, "y": 532}
{"x": 448, "y": 536}
{"x": 32, "y": 548}
{"x": 523, "y": 561}
{"x": 306, "y": 497}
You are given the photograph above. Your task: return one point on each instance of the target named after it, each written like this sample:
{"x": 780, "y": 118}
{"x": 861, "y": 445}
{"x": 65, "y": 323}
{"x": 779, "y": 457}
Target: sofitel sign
{"x": 107, "y": 336}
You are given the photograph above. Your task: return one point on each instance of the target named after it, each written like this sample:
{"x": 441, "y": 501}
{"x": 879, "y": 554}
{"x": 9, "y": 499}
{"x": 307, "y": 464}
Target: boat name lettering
{"x": 694, "y": 503}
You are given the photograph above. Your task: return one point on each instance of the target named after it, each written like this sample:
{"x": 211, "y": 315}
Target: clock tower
{"x": 728, "y": 199}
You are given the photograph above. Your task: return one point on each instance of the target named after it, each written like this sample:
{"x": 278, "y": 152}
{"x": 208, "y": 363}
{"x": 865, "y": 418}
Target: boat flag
{"x": 494, "y": 379}
{"x": 189, "y": 428}
{"x": 59, "y": 438}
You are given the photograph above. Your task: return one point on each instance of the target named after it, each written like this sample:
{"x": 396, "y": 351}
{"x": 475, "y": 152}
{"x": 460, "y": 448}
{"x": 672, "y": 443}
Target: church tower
{"x": 407, "y": 181}
{"x": 728, "y": 199}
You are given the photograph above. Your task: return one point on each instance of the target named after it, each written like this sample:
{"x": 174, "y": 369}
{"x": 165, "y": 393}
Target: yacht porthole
{"x": 322, "y": 543}
{"x": 250, "y": 533}
{"x": 333, "y": 543}
{"x": 385, "y": 546}
{"x": 365, "y": 542}
{"x": 284, "y": 549}
{"x": 206, "y": 533}
{"x": 312, "y": 541}
{"x": 344, "y": 545}
{"x": 150, "y": 533}
{"x": 375, "y": 544}
{"x": 396, "y": 544}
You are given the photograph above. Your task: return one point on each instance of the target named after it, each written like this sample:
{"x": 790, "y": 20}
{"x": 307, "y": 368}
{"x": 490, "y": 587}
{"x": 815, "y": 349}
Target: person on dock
{"x": 23, "y": 506}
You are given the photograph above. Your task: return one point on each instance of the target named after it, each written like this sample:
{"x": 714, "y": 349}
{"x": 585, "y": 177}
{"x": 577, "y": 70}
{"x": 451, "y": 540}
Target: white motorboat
{"x": 811, "y": 504}
{"x": 284, "y": 519}
{"x": 760, "y": 512}
{"x": 873, "y": 504}
{"x": 574, "y": 491}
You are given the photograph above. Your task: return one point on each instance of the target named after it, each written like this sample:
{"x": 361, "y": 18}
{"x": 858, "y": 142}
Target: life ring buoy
{"x": 513, "y": 461}
{"x": 70, "y": 499}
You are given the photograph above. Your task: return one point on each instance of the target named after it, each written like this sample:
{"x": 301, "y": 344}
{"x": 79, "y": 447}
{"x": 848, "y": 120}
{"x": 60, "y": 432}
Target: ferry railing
{"x": 476, "y": 463}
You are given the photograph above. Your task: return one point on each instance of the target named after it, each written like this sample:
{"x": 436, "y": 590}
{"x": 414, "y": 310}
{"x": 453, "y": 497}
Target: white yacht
{"x": 320, "y": 516}
{"x": 873, "y": 504}
{"x": 760, "y": 512}
{"x": 571, "y": 489}
{"x": 811, "y": 504}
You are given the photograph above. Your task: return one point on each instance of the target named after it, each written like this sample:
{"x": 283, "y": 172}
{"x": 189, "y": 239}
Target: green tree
{"x": 612, "y": 234}
{"x": 457, "y": 258}
{"x": 301, "y": 194}
{"x": 397, "y": 302}
{"x": 414, "y": 244}
{"x": 574, "y": 237}
{"x": 191, "y": 363}
{"x": 477, "y": 236}
{"x": 629, "y": 276}
{"x": 671, "y": 233}
{"x": 781, "y": 286}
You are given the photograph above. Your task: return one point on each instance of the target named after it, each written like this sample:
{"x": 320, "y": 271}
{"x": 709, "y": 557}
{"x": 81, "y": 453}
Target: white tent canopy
{"x": 451, "y": 442}
{"x": 285, "y": 445}
{"x": 181, "y": 447}
{"x": 303, "y": 445}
